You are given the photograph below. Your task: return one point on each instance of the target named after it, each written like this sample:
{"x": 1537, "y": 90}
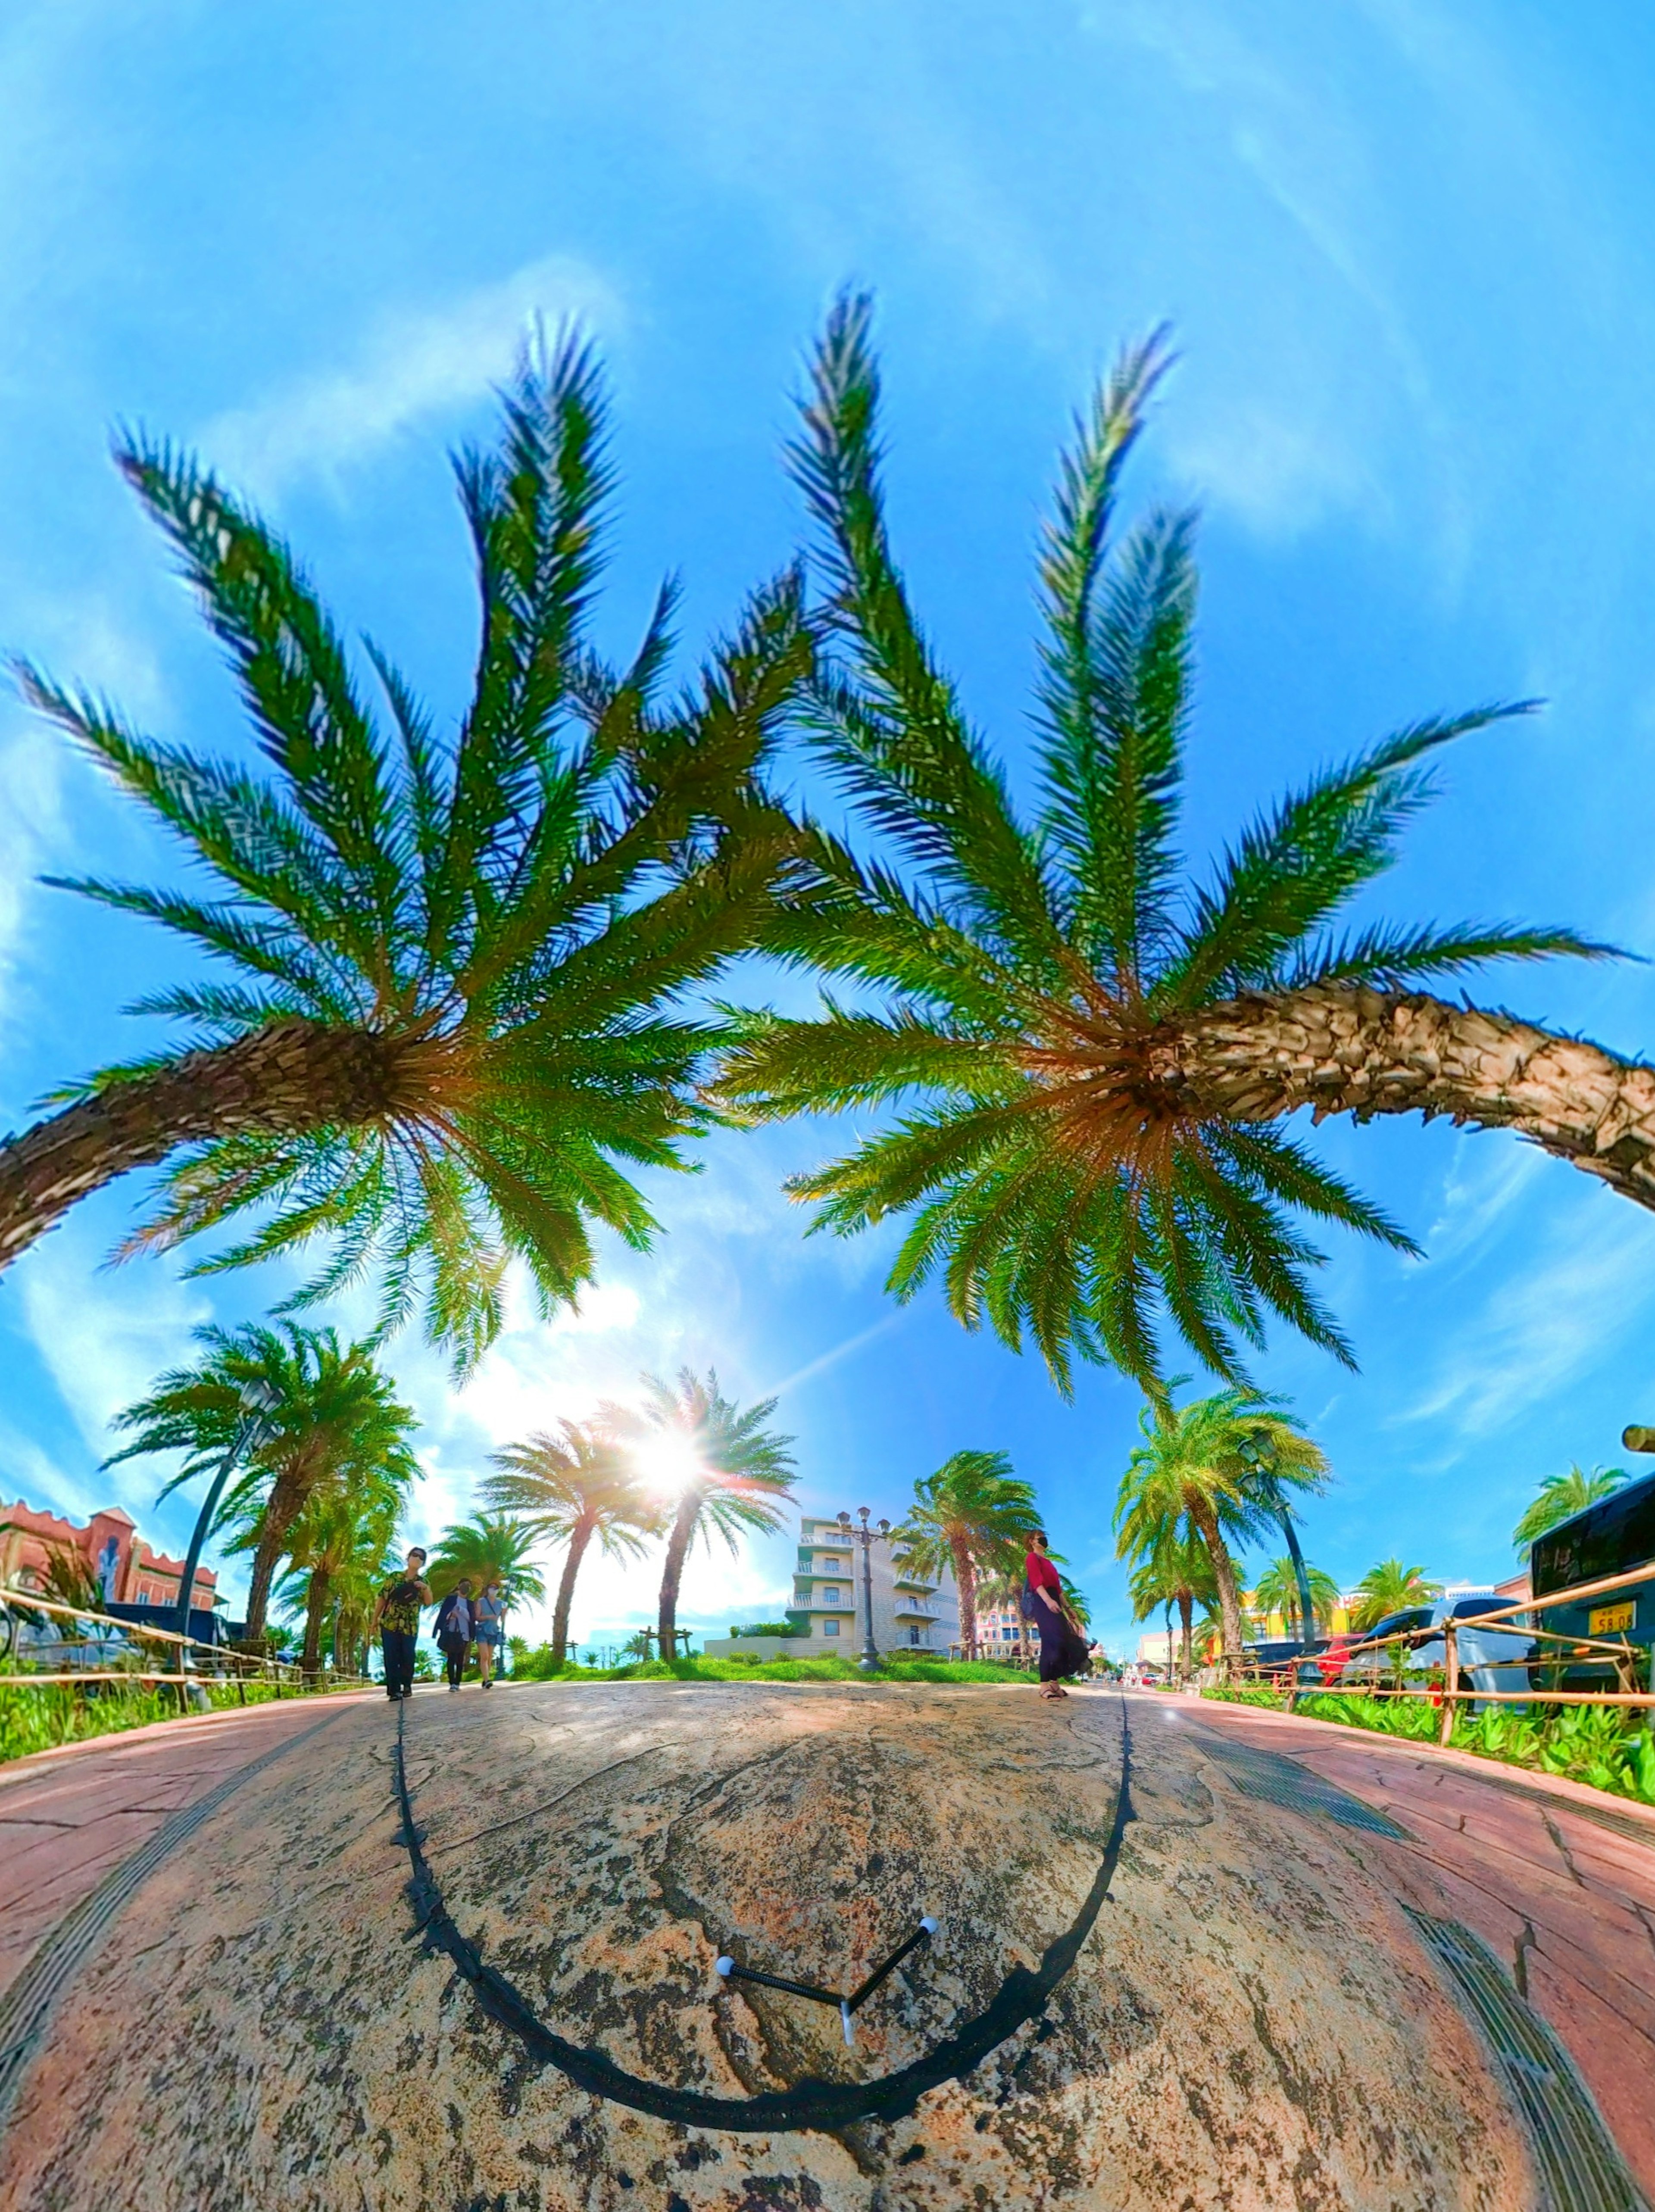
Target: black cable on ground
{"x": 811, "y": 2103}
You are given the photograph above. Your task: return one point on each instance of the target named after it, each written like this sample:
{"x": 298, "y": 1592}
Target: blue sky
{"x": 1406, "y": 249}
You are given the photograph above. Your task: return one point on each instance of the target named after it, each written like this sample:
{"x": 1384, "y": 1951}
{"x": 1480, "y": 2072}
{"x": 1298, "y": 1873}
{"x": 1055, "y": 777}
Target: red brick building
{"x": 122, "y": 1565}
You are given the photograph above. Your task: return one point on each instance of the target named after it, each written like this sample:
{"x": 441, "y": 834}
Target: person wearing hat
{"x": 396, "y": 1617}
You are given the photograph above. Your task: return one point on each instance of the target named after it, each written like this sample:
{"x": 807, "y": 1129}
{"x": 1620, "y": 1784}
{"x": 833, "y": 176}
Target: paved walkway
{"x": 67, "y": 1817}
{"x": 1334, "y": 1972}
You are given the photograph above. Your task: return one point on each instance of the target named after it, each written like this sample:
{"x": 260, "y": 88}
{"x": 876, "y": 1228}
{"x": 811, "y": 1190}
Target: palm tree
{"x": 972, "y": 1516}
{"x": 485, "y": 1550}
{"x": 1389, "y": 1588}
{"x": 334, "y": 1419}
{"x": 444, "y": 1022}
{"x": 1174, "y": 1569}
{"x": 1003, "y": 1590}
{"x": 568, "y": 1488}
{"x": 1198, "y": 1464}
{"x": 340, "y": 1546}
{"x": 728, "y": 1471}
{"x": 1561, "y": 1496}
{"x": 1276, "y": 1591}
{"x": 1087, "y": 1048}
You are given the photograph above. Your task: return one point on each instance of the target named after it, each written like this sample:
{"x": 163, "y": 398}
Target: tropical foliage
{"x": 570, "y": 1488}
{"x": 1388, "y": 1587}
{"x": 1087, "y": 1045}
{"x": 972, "y": 1516}
{"x": 339, "y": 1547}
{"x": 1222, "y": 1467}
{"x": 1560, "y": 1497}
{"x": 1276, "y": 1591}
{"x": 334, "y": 1422}
{"x": 445, "y": 1020}
{"x": 1174, "y": 1569}
{"x": 487, "y": 1548}
{"x": 718, "y": 1470}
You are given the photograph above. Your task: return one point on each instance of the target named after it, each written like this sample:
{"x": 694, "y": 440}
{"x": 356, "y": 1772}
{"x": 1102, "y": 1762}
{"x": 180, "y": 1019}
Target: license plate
{"x": 1604, "y": 1620}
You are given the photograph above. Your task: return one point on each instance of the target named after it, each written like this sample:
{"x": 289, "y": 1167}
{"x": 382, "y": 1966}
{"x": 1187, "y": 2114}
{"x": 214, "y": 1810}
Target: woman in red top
{"x": 1046, "y": 1586}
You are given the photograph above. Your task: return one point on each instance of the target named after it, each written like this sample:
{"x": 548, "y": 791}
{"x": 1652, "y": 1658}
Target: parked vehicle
{"x": 1614, "y": 1537}
{"x": 1488, "y": 1658}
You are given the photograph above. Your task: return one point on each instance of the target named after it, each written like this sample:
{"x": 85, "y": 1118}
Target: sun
{"x": 668, "y": 1464}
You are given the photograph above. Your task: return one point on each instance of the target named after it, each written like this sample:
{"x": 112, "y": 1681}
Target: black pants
{"x": 397, "y": 1645}
{"x": 453, "y": 1648}
{"x": 1052, "y": 1626}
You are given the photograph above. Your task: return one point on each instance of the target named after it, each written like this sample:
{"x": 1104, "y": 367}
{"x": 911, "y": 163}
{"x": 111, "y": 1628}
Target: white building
{"x": 910, "y": 1614}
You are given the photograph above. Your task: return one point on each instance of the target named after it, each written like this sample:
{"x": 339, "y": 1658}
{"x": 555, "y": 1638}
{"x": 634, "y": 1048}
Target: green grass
{"x": 1595, "y": 1744}
{"x": 40, "y": 1719}
{"x": 537, "y": 1667}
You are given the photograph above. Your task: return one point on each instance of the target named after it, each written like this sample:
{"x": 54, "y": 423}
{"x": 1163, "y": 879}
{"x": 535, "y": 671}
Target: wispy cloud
{"x": 413, "y": 365}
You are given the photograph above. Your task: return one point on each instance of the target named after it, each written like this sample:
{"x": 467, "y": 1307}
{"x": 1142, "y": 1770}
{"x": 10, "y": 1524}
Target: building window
{"x": 831, "y": 1594}
{"x": 830, "y": 1628}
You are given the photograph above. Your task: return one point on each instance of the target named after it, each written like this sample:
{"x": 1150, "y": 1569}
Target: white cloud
{"x": 1573, "y": 1305}
{"x": 413, "y": 365}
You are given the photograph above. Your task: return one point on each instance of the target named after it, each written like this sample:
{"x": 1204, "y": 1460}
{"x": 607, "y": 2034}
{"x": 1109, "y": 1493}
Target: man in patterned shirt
{"x": 397, "y": 1619}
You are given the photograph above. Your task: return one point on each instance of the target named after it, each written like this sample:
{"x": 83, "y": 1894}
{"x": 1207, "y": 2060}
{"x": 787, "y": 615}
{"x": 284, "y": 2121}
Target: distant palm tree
{"x": 1561, "y": 1496}
{"x": 1003, "y": 1592}
{"x": 1391, "y": 1588}
{"x": 487, "y": 1549}
{"x": 1086, "y": 1048}
{"x": 1198, "y": 1463}
{"x": 717, "y": 1469}
{"x": 339, "y": 1547}
{"x": 446, "y": 1022}
{"x": 972, "y": 1516}
{"x": 1175, "y": 1569}
{"x": 335, "y": 1419}
{"x": 570, "y": 1488}
{"x": 1276, "y": 1591}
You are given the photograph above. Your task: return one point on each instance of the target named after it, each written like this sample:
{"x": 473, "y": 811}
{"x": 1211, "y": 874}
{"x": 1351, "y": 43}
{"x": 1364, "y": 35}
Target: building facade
{"x": 119, "y": 1562}
{"x": 910, "y": 1614}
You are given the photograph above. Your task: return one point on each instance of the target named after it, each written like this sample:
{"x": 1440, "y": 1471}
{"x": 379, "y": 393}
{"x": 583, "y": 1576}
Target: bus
{"x": 1614, "y": 1537}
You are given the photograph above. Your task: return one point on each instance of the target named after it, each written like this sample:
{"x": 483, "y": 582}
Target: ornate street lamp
{"x": 258, "y": 1402}
{"x": 866, "y": 1538}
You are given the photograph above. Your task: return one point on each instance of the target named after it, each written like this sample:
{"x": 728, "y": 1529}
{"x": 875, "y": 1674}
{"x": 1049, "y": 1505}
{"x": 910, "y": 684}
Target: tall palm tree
{"x": 1561, "y": 1496}
{"x": 1390, "y": 1588}
{"x": 1277, "y": 1590}
{"x": 1195, "y": 1464}
{"x": 570, "y": 1488}
{"x": 717, "y": 1469}
{"x": 1173, "y": 1568}
{"x": 972, "y": 1516}
{"x": 1088, "y": 1048}
{"x": 445, "y": 1020}
{"x": 334, "y": 1419}
{"x": 337, "y": 1544}
{"x": 488, "y": 1549}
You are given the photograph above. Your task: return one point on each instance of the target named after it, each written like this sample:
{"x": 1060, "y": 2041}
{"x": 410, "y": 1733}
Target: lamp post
{"x": 866, "y": 1538}
{"x": 258, "y": 1402}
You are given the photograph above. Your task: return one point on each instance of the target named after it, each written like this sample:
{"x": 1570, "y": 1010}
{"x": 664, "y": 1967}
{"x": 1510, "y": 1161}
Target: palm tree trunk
{"x": 1186, "y": 1643}
{"x": 1224, "y": 1575}
{"x": 580, "y": 1537}
{"x": 315, "y": 1608}
{"x": 965, "y": 1583}
{"x": 677, "y": 1545}
{"x": 281, "y": 1509}
{"x": 292, "y": 1075}
{"x": 1349, "y": 1050}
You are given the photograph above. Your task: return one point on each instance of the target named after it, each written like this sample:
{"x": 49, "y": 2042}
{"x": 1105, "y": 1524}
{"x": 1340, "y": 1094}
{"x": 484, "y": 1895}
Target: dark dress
{"x": 1052, "y": 1625}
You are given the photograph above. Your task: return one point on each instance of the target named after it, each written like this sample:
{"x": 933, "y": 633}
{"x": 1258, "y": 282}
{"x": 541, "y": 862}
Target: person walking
{"x": 489, "y": 1630}
{"x": 396, "y": 1619}
{"x": 453, "y": 1629}
{"x": 1044, "y": 1589}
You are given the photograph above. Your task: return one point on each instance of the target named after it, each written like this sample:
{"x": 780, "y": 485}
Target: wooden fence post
{"x": 1450, "y": 1675}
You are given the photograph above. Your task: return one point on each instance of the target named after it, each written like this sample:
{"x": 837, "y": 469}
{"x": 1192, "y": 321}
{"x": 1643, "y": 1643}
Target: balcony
{"x": 903, "y": 1611}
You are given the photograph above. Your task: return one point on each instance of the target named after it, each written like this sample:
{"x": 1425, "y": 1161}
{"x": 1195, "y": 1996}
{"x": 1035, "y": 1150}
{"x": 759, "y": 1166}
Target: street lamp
{"x": 258, "y": 1401}
{"x": 866, "y": 1538}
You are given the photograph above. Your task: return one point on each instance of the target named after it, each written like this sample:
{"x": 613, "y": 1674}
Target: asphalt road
{"x": 1309, "y": 1969}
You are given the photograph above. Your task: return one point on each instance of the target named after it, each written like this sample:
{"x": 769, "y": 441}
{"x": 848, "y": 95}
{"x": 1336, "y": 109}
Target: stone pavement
{"x": 1330, "y": 1971}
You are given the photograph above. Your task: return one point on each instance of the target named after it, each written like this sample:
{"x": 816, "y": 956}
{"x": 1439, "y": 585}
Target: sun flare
{"x": 668, "y": 1464}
